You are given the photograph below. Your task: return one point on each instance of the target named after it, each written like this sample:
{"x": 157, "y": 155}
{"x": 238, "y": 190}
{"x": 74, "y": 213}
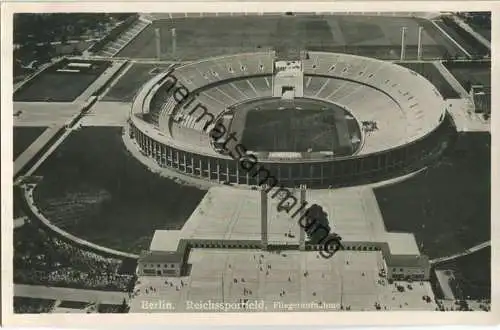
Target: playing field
{"x": 23, "y": 137}
{"x": 307, "y": 126}
{"x": 60, "y": 86}
{"x": 447, "y": 207}
{"x": 377, "y": 36}
{"x": 130, "y": 83}
{"x": 94, "y": 189}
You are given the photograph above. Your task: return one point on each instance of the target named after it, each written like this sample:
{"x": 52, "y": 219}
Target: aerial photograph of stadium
{"x": 251, "y": 162}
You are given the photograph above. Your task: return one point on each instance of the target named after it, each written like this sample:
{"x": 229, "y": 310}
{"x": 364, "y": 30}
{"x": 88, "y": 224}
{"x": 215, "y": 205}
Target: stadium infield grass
{"x": 292, "y": 130}
{"x": 93, "y": 188}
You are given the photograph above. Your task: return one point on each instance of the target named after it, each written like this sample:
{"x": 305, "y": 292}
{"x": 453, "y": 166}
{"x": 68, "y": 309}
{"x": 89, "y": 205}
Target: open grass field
{"x": 23, "y": 137}
{"x": 54, "y": 86}
{"x": 473, "y": 274}
{"x": 374, "y": 36}
{"x": 94, "y": 189}
{"x": 305, "y": 127}
{"x": 130, "y": 83}
{"x": 448, "y": 206}
{"x": 477, "y": 73}
{"x": 431, "y": 73}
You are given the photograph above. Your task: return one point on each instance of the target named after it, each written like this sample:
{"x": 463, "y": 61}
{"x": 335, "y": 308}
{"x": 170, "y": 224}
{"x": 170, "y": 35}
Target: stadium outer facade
{"x": 402, "y": 117}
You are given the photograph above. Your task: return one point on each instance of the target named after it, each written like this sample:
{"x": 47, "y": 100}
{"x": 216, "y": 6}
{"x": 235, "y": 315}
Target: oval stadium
{"x": 321, "y": 119}
{"x": 308, "y": 161}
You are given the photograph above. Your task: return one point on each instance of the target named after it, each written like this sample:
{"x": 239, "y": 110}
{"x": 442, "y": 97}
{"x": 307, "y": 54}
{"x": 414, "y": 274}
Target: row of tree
{"x": 41, "y": 28}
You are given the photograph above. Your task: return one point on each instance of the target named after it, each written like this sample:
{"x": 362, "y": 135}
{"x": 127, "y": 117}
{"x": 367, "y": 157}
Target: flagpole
{"x": 222, "y": 287}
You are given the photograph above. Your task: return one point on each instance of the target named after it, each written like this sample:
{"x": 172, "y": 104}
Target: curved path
{"x": 69, "y": 294}
{"x": 461, "y": 254}
{"x": 28, "y": 195}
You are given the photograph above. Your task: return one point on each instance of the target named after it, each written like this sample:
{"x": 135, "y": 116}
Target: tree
{"x": 124, "y": 306}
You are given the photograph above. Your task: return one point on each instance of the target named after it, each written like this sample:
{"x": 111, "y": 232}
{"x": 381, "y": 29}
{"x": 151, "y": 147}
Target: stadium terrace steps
{"x": 204, "y": 76}
{"x": 389, "y": 102}
{"x": 112, "y": 48}
{"x": 246, "y": 88}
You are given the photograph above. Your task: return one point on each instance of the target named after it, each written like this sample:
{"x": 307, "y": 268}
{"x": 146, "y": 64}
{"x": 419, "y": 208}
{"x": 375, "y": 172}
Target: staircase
{"x": 113, "y": 47}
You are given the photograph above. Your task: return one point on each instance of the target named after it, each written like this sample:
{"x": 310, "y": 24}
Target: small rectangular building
{"x": 408, "y": 267}
{"x": 165, "y": 256}
{"x": 159, "y": 263}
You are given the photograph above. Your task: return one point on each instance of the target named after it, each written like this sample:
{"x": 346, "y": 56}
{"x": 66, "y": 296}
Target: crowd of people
{"x": 43, "y": 259}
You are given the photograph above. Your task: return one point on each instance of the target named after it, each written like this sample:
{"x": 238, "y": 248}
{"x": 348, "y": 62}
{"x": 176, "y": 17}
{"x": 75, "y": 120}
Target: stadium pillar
{"x": 403, "y": 42}
{"x": 419, "y": 45}
{"x": 263, "y": 216}
{"x": 302, "y": 234}
{"x": 158, "y": 43}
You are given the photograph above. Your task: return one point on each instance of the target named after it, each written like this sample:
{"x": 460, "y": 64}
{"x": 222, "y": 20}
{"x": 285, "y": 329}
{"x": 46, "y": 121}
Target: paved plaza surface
{"x": 309, "y": 283}
{"x": 466, "y": 120}
{"x": 280, "y": 280}
{"x": 45, "y": 113}
{"x": 234, "y": 214}
{"x": 107, "y": 114}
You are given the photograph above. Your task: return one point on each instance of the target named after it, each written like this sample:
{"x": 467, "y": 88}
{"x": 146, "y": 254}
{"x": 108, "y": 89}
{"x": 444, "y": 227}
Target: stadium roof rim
{"x": 433, "y": 106}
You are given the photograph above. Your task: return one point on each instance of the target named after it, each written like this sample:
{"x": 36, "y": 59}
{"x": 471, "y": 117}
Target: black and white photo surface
{"x": 249, "y": 162}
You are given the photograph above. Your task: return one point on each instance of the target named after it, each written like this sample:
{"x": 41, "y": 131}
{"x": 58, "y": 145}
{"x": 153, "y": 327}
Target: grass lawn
{"x": 473, "y": 274}
{"x": 54, "y": 86}
{"x": 23, "y": 137}
{"x": 130, "y": 83}
{"x": 448, "y": 206}
{"x": 478, "y": 73}
{"x": 94, "y": 189}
